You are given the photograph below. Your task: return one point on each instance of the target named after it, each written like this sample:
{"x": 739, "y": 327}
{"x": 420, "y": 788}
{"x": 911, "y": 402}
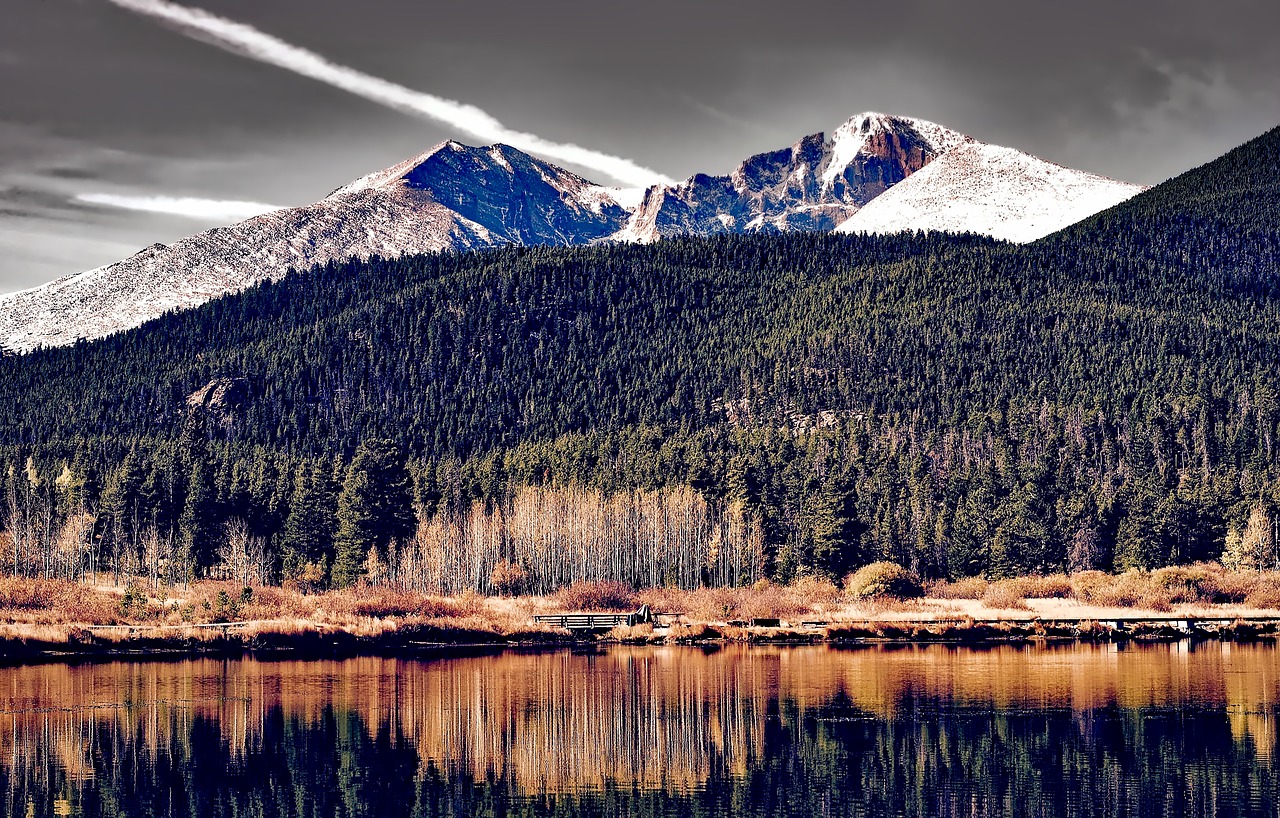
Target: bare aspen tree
{"x": 242, "y": 556}
{"x": 155, "y": 558}
{"x": 553, "y": 537}
{"x": 72, "y": 551}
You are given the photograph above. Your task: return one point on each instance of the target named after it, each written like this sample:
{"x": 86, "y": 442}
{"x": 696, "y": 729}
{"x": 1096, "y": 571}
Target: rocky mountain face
{"x": 456, "y": 197}
{"x": 514, "y": 197}
{"x": 814, "y": 185}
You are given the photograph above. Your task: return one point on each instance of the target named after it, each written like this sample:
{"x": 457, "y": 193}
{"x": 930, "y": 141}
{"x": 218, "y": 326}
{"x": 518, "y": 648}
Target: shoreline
{"x": 59, "y": 620}
{"x": 421, "y": 640}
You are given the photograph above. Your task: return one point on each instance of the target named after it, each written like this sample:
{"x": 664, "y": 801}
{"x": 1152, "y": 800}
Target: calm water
{"x": 1078, "y": 731}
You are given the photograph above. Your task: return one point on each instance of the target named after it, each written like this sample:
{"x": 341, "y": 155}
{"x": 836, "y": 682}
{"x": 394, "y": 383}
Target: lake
{"x": 1074, "y": 730}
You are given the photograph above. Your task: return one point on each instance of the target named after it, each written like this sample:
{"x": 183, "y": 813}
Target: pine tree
{"x": 834, "y": 531}
{"x": 374, "y": 509}
{"x": 307, "y": 538}
{"x": 198, "y": 526}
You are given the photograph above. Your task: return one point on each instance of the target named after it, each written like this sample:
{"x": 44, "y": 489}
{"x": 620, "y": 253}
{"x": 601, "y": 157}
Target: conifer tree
{"x": 198, "y": 526}
{"x": 374, "y": 509}
{"x": 307, "y": 539}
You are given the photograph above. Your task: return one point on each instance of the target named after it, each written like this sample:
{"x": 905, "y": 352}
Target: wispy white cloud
{"x": 206, "y": 209}
{"x": 721, "y": 115}
{"x": 250, "y": 42}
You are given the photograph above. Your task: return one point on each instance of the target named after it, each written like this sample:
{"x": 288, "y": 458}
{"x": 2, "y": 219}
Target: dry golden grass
{"x": 1161, "y": 590}
{"x": 764, "y": 600}
{"x": 631, "y": 634}
{"x": 965, "y": 588}
{"x": 1005, "y": 596}
{"x": 389, "y": 602}
{"x": 53, "y": 612}
{"x": 692, "y": 633}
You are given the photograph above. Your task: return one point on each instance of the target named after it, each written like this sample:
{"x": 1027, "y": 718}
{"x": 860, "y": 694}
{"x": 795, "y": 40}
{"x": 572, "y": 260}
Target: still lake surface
{"x": 1072, "y": 730}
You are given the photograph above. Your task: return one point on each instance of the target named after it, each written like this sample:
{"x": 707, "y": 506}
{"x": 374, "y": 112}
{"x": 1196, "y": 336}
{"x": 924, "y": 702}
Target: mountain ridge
{"x": 458, "y": 197}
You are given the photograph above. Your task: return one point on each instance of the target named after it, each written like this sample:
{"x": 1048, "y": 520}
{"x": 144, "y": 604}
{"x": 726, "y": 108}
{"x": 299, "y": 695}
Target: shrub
{"x": 1235, "y": 586}
{"x": 772, "y": 602}
{"x": 708, "y": 604}
{"x": 134, "y": 601}
{"x": 1153, "y": 599}
{"x": 608, "y": 595}
{"x": 1101, "y": 588}
{"x": 1196, "y": 583}
{"x": 814, "y": 591}
{"x": 883, "y": 579}
{"x": 963, "y": 588}
{"x": 508, "y": 578}
{"x": 311, "y": 578}
{"x": 267, "y": 602}
{"x": 664, "y": 600}
{"x": 713, "y": 604}
{"x": 1132, "y": 589}
{"x": 1053, "y": 586}
{"x": 57, "y": 600}
{"x": 470, "y": 603}
{"x": 17, "y": 593}
{"x": 1265, "y": 592}
{"x": 1005, "y": 595}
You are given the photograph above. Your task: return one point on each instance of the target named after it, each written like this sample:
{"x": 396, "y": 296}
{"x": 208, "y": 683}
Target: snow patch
{"x": 1000, "y": 192}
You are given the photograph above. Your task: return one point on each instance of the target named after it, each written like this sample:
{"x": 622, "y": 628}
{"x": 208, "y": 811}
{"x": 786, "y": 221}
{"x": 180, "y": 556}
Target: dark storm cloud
{"x": 95, "y": 99}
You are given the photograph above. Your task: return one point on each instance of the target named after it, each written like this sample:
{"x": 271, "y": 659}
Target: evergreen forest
{"x": 692, "y": 412}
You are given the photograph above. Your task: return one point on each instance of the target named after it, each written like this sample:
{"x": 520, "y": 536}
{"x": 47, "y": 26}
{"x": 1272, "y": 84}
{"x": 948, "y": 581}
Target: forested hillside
{"x": 774, "y": 406}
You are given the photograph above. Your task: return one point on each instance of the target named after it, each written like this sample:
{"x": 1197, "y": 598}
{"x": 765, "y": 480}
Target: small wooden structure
{"x": 592, "y": 621}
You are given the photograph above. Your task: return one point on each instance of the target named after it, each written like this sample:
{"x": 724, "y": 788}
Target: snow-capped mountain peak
{"x": 871, "y": 134}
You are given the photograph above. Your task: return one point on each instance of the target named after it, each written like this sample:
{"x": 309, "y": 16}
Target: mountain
{"x": 566, "y": 315}
{"x": 1023, "y": 197}
{"x": 456, "y": 197}
{"x": 453, "y": 197}
{"x": 1104, "y": 398}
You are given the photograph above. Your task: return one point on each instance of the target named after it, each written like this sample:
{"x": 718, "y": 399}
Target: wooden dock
{"x": 593, "y": 621}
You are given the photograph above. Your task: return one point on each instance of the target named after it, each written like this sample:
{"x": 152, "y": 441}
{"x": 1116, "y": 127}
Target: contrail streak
{"x": 208, "y": 209}
{"x": 248, "y": 41}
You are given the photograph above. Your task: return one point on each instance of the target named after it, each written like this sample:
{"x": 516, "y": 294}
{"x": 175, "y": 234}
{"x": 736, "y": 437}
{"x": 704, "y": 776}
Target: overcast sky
{"x": 102, "y": 104}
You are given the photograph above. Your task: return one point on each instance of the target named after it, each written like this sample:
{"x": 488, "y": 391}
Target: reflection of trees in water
{"x": 916, "y": 731}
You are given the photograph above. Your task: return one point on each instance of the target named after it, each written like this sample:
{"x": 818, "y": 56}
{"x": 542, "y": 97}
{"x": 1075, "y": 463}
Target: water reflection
{"x": 1073, "y": 730}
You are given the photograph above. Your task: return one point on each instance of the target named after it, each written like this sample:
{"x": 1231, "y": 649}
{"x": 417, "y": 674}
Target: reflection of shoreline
{"x": 656, "y": 717}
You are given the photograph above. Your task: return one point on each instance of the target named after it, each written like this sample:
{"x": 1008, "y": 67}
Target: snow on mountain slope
{"x": 450, "y": 198}
{"x": 877, "y": 173}
{"x": 870, "y": 136}
{"x": 194, "y": 270}
{"x": 1000, "y": 192}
